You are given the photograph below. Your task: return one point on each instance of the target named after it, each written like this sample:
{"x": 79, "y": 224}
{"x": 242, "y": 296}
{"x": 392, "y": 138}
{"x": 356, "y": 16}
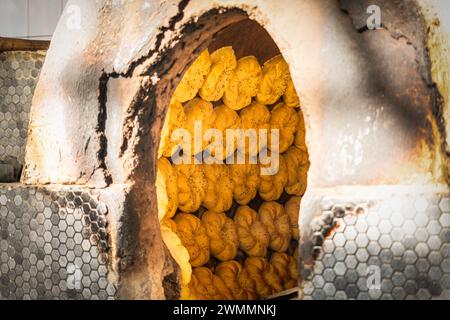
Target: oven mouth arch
{"x": 212, "y": 30}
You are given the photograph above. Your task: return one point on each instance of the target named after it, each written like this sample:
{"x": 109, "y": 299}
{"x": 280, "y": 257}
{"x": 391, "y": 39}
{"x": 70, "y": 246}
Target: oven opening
{"x": 232, "y": 168}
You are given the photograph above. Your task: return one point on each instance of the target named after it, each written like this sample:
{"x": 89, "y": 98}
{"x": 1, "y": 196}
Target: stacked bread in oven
{"x": 232, "y": 229}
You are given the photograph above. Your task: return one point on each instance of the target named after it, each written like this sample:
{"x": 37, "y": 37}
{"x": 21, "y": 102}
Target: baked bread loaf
{"x": 178, "y": 252}
{"x": 162, "y": 200}
{"x": 255, "y": 117}
{"x": 223, "y": 65}
{"x": 253, "y": 237}
{"x": 206, "y": 286}
{"x": 194, "y": 238}
{"x": 297, "y": 164}
{"x": 194, "y": 78}
{"x": 245, "y": 182}
{"x": 290, "y": 97}
{"x": 222, "y": 234}
{"x": 274, "y": 80}
{"x": 237, "y": 280}
{"x": 285, "y": 120}
{"x": 192, "y": 186}
{"x": 219, "y": 192}
{"x": 292, "y": 208}
{"x": 224, "y": 119}
{"x": 300, "y": 139}
{"x": 198, "y": 112}
{"x": 276, "y": 222}
{"x": 267, "y": 281}
{"x": 175, "y": 119}
{"x": 273, "y": 178}
{"x": 243, "y": 84}
{"x": 283, "y": 264}
{"x": 293, "y": 271}
{"x": 166, "y": 189}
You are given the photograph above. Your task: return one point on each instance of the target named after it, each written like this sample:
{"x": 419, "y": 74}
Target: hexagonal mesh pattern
{"x": 53, "y": 244}
{"x": 398, "y": 249}
{"x": 19, "y": 72}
